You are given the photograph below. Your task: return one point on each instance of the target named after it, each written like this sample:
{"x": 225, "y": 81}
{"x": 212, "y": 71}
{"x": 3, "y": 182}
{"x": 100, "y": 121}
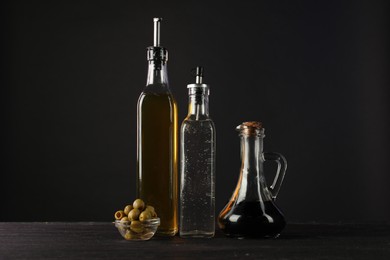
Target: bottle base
{"x": 166, "y": 233}
{"x": 196, "y": 234}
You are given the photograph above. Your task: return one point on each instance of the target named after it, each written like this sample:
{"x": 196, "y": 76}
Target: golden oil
{"x": 157, "y": 157}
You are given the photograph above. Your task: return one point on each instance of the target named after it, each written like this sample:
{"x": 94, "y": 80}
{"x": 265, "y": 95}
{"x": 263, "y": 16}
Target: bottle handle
{"x": 281, "y": 171}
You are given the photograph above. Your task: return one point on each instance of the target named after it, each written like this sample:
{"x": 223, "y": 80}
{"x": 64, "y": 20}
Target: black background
{"x": 315, "y": 73}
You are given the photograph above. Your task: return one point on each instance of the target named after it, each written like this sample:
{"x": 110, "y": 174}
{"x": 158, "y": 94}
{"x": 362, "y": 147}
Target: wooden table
{"x": 97, "y": 240}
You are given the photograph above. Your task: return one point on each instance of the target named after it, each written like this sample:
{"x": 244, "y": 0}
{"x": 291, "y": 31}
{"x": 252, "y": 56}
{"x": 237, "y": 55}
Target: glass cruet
{"x": 251, "y": 211}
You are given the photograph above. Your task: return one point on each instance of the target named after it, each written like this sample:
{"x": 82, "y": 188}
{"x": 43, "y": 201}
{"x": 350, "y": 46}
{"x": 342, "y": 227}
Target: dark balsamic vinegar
{"x": 252, "y": 219}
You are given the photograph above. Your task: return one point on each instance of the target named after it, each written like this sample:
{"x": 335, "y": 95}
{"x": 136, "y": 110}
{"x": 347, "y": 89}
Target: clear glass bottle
{"x": 157, "y": 140}
{"x": 251, "y": 211}
{"x": 198, "y": 145}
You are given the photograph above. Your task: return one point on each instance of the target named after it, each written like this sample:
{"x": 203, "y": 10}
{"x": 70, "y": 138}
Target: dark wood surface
{"x": 94, "y": 240}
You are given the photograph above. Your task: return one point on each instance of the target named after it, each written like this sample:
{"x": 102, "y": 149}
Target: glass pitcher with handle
{"x": 251, "y": 211}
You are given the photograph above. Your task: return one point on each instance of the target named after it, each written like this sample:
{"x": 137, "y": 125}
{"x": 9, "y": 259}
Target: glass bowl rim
{"x": 146, "y": 223}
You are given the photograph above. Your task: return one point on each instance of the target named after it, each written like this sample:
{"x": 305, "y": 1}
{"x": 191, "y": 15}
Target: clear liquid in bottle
{"x": 197, "y": 191}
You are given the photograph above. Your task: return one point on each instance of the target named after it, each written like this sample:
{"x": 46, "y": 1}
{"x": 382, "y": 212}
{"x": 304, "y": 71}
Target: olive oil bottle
{"x": 157, "y": 140}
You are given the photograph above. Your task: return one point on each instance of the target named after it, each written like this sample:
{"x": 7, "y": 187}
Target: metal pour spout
{"x": 156, "y": 38}
{"x": 199, "y": 75}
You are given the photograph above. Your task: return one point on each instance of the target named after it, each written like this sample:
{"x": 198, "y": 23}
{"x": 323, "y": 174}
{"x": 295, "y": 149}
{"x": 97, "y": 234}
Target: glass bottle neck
{"x": 157, "y": 73}
{"x": 198, "y": 106}
{"x": 251, "y": 150}
{"x": 252, "y": 185}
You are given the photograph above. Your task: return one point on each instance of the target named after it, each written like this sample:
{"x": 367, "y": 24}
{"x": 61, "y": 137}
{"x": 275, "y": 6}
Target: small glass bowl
{"x": 137, "y": 230}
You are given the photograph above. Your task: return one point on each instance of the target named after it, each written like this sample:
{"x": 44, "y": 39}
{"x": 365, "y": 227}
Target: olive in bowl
{"x": 137, "y": 221}
{"x": 137, "y": 230}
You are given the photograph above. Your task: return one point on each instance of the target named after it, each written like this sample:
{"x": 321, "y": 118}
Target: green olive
{"x": 119, "y": 214}
{"x": 127, "y": 209}
{"x": 125, "y": 219}
{"x": 139, "y": 204}
{"x": 147, "y": 212}
{"x": 150, "y": 208}
{"x": 134, "y": 214}
{"x": 136, "y": 226}
{"x": 145, "y": 215}
{"x": 152, "y": 211}
{"x": 128, "y": 235}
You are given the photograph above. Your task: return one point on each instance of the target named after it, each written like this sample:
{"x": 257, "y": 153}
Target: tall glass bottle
{"x": 157, "y": 139}
{"x": 197, "y": 190}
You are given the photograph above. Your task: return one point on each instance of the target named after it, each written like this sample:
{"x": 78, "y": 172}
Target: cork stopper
{"x": 251, "y": 128}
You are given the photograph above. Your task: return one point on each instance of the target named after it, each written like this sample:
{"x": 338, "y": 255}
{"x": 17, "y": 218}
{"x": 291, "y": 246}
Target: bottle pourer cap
{"x": 198, "y": 87}
{"x": 157, "y": 52}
